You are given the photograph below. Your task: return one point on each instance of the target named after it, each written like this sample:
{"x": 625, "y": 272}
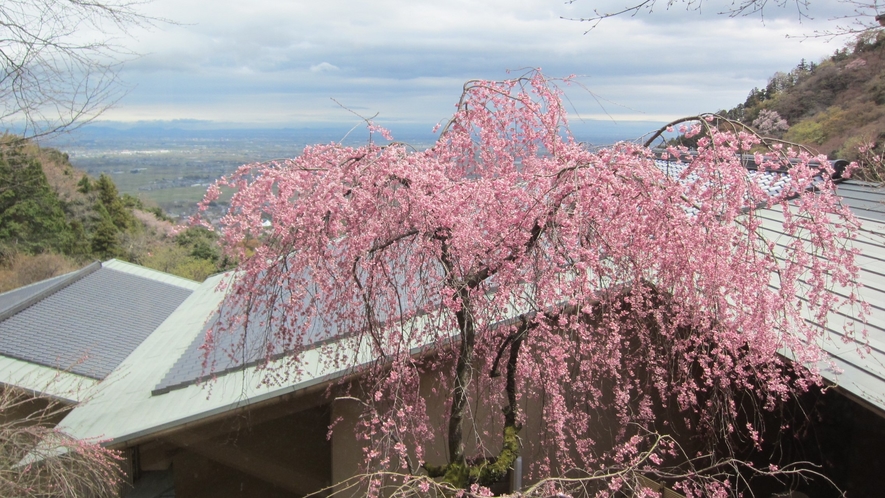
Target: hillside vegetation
{"x": 836, "y": 106}
{"x": 55, "y": 218}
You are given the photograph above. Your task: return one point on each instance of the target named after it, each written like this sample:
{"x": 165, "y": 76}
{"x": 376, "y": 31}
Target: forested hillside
{"x": 54, "y": 219}
{"x": 835, "y": 106}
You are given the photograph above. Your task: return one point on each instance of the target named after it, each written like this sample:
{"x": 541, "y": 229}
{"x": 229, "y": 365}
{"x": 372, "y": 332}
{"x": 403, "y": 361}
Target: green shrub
{"x": 806, "y": 132}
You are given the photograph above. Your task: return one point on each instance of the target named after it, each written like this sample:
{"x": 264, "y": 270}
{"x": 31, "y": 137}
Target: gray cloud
{"x": 276, "y": 60}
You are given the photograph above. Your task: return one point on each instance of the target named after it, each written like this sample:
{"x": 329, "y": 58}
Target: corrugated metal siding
{"x": 856, "y": 362}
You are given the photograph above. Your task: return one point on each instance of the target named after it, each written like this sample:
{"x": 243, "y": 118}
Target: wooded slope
{"x": 833, "y": 106}
{"x": 54, "y": 219}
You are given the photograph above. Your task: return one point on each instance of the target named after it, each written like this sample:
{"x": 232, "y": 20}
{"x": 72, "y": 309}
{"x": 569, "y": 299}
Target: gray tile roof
{"x": 88, "y": 321}
{"x": 189, "y": 366}
{"x": 17, "y": 299}
{"x": 122, "y": 410}
{"x": 236, "y": 350}
{"x": 772, "y": 182}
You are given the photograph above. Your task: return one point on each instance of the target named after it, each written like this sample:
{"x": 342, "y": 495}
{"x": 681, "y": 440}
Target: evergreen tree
{"x": 84, "y": 185}
{"x": 31, "y": 215}
{"x": 109, "y": 197}
{"x": 105, "y": 242}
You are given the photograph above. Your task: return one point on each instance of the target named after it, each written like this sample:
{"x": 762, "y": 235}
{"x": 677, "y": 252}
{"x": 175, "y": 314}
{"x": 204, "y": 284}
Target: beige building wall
{"x": 348, "y": 451}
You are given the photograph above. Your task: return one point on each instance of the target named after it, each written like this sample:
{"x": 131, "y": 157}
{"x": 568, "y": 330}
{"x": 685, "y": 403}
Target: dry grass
{"x": 18, "y": 270}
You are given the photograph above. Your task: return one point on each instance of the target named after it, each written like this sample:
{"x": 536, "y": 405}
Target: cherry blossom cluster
{"x": 770, "y": 122}
{"x": 510, "y": 281}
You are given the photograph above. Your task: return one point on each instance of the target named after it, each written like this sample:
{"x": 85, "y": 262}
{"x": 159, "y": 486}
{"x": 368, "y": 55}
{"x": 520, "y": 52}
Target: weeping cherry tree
{"x": 635, "y": 318}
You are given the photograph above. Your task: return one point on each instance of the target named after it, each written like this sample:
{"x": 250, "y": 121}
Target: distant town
{"x": 171, "y": 164}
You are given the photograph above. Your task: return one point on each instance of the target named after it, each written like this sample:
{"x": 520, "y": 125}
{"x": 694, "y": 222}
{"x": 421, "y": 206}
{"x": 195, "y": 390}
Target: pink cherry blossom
{"x": 585, "y": 294}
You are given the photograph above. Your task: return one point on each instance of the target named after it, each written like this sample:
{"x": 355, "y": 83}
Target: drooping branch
{"x": 709, "y": 121}
{"x": 513, "y": 247}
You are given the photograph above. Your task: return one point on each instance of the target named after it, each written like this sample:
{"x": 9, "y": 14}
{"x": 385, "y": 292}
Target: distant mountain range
{"x": 597, "y": 132}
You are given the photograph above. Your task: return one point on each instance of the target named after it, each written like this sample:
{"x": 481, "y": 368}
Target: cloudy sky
{"x": 281, "y": 62}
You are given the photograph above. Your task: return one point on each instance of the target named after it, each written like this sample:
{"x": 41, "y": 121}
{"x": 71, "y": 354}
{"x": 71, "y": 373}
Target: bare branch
{"x": 864, "y": 15}
{"x": 54, "y": 76}
{"x": 36, "y": 460}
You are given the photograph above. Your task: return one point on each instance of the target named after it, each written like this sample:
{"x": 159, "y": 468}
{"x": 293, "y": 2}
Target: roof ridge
{"x": 152, "y": 274}
{"x": 52, "y": 289}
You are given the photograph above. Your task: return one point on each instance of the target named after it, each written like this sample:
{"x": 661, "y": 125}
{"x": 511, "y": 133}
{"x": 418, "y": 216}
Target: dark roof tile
{"x": 89, "y": 326}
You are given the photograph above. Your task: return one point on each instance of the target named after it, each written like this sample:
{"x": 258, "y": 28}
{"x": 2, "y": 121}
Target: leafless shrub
{"x": 38, "y": 460}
